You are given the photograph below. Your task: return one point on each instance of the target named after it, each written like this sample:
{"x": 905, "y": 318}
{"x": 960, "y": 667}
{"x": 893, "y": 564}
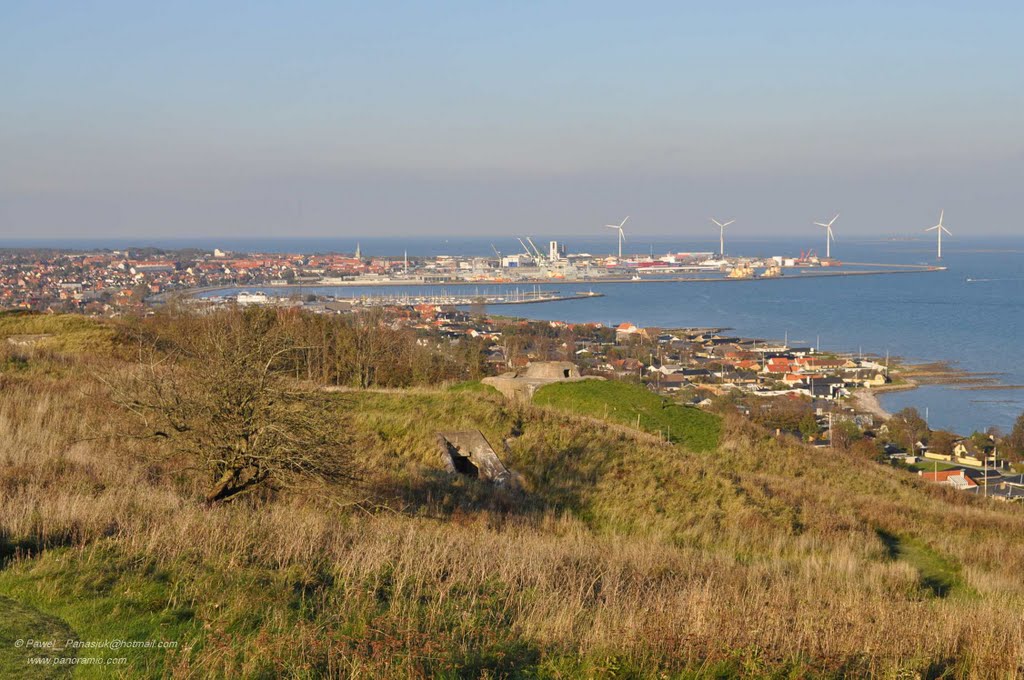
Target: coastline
{"x": 948, "y": 399}
{"x": 891, "y": 269}
{"x": 865, "y": 400}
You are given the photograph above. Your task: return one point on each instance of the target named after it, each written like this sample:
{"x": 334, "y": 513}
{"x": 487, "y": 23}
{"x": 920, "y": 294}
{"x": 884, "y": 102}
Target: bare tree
{"x": 219, "y": 387}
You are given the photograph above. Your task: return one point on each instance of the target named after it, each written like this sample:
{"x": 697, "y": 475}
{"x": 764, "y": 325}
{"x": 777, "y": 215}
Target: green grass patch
{"x": 102, "y": 595}
{"x": 27, "y": 633}
{"x": 938, "y": 574}
{"x": 635, "y": 406}
{"x": 71, "y": 333}
{"x": 931, "y": 466}
{"x": 473, "y": 387}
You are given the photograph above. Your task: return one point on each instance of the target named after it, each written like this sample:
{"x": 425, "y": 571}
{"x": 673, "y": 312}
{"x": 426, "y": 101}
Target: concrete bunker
{"x": 522, "y": 383}
{"x": 469, "y": 453}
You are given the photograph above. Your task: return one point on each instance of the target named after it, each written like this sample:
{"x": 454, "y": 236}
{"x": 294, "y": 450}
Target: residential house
{"x": 967, "y": 452}
{"x": 955, "y": 478}
{"x": 625, "y": 366}
{"x": 626, "y": 330}
{"x": 672, "y": 382}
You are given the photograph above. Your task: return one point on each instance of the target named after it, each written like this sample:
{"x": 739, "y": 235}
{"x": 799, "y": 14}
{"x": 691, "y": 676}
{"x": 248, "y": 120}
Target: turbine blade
{"x": 624, "y": 222}
{"x": 947, "y": 231}
{"x": 728, "y": 223}
{"x": 942, "y": 213}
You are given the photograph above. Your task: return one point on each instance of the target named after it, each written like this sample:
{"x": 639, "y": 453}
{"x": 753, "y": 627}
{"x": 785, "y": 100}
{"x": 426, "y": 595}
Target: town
{"x": 110, "y": 282}
{"x": 820, "y": 397}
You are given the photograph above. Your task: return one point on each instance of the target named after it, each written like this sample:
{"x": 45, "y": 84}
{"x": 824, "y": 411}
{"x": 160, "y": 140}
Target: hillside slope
{"x": 623, "y": 555}
{"x": 635, "y": 406}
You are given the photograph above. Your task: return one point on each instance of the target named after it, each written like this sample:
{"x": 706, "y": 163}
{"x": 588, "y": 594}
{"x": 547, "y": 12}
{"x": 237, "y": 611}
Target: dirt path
{"x": 19, "y": 626}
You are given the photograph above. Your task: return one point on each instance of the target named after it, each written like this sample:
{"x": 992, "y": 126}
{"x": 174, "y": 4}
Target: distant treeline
{"x": 362, "y": 350}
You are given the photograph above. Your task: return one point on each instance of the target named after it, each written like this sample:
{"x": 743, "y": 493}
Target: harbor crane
{"x": 526, "y": 250}
{"x": 540, "y": 256}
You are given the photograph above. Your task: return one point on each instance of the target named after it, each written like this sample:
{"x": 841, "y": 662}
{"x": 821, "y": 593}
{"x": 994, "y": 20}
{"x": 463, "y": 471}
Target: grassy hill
{"x": 635, "y": 406}
{"x": 724, "y": 553}
{"x": 55, "y": 332}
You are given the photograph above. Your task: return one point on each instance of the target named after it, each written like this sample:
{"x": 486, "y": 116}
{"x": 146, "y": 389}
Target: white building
{"x": 252, "y": 299}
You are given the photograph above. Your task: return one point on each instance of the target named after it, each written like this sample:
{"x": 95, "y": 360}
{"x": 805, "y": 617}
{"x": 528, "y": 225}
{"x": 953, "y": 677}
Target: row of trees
{"x": 1013, "y": 443}
{"x": 360, "y": 350}
{"x": 907, "y": 427}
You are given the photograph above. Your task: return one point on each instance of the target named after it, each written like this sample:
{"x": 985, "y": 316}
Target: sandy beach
{"x": 866, "y": 400}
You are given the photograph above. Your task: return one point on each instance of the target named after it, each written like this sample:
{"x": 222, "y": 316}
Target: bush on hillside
{"x": 217, "y": 387}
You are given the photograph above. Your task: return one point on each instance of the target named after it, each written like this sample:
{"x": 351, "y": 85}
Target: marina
{"x": 518, "y": 296}
{"x": 513, "y": 296}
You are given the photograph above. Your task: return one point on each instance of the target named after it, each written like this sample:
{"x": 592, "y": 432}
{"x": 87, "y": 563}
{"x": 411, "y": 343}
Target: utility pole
{"x": 984, "y": 469}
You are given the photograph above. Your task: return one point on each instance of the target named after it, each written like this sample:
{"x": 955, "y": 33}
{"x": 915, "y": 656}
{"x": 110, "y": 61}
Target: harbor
{"x": 512, "y": 296}
{"x": 518, "y": 296}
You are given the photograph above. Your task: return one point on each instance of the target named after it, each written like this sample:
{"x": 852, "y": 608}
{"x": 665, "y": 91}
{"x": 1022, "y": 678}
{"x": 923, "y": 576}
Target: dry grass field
{"x": 623, "y": 555}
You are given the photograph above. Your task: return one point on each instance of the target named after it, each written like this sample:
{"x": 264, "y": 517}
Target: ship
{"x": 772, "y": 272}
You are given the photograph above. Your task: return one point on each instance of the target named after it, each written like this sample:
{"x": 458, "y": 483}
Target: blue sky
{"x": 342, "y": 119}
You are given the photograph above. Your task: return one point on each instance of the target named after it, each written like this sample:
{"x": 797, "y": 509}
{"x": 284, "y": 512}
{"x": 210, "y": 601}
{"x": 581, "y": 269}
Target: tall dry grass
{"x": 762, "y": 556}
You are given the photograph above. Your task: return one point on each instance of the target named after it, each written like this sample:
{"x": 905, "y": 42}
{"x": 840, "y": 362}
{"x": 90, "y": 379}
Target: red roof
{"x": 826, "y": 362}
{"x": 944, "y": 475}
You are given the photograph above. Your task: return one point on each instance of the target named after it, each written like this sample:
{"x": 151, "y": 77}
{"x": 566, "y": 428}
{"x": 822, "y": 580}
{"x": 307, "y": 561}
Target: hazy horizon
{"x": 341, "y": 120}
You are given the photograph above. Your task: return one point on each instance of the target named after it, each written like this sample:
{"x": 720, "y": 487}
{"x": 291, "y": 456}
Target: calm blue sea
{"x": 977, "y": 324}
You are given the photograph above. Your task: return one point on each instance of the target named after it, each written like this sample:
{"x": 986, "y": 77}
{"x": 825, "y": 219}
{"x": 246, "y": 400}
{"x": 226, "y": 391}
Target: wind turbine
{"x": 622, "y": 234}
{"x": 721, "y": 235}
{"x": 938, "y": 229}
{"x": 829, "y": 236}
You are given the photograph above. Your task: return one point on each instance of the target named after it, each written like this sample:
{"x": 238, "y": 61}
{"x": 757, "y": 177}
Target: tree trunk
{"x": 233, "y": 483}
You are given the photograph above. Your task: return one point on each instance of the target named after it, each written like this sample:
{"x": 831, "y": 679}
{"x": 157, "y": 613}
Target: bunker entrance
{"x": 464, "y": 466}
{"x": 468, "y": 453}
